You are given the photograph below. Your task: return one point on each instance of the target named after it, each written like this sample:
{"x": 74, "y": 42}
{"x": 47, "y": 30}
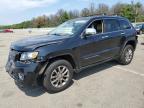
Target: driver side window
{"x": 97, "y": 25}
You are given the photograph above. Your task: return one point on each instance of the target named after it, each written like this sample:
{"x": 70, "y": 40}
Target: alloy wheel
{"x": 59, "y": 76}
{"x": 128, "y": 55}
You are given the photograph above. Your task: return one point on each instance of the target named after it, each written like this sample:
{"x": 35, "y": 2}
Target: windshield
{"x": 138, "y": 26}
{"x": 69, "y": 28}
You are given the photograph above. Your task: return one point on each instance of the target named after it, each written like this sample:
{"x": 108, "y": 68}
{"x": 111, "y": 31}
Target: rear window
{"x": 111, "y": 25}
{"x": 124, "y": 24}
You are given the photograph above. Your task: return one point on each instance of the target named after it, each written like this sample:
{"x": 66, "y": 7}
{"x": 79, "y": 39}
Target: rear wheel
{"x": 58, "y": 76}
{"x": 127, "y": 55}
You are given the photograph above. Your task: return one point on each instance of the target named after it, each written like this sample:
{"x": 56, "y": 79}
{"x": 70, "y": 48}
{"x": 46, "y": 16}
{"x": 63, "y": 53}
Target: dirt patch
{"x": 79, "y": 105}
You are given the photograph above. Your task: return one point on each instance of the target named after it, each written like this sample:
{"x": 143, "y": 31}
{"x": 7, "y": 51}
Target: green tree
{"x": 127, "y": 11}
{"x": 62, "y": 16}
{"x": 138, "y": 6}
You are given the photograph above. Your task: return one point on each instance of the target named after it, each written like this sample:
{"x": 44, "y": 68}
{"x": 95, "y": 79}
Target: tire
{"x": 127, "y": 55}
{"x": 56, "y": 80}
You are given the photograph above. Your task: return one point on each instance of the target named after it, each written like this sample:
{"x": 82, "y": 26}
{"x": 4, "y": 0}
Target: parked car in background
{"x": 139, "y": 28}
{"x": 52, "y": 59}
{"x": 8, "y": 31}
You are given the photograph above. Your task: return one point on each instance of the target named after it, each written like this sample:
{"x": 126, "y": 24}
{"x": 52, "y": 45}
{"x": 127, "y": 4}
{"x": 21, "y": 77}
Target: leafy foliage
{"x": 133, "y": 11}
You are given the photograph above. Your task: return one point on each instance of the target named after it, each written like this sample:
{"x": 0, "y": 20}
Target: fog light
{"x": 21, "y": 76}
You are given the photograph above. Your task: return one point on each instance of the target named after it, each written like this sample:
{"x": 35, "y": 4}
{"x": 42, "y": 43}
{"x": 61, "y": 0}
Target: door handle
{"x": 105, "y": 37}
{"x": 122, "y": 33}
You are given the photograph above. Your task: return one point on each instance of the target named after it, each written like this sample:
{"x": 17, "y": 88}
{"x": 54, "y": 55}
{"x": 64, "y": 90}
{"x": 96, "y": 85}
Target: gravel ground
{"x": 108, "y": 85}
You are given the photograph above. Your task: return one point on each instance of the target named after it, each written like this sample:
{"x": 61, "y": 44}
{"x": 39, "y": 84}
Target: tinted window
{"x": 111, "y": 25}
{"x": 124, "y": 24}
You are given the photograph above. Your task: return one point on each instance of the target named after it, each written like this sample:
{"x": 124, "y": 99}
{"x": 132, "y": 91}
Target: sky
{"x": 16, "y": 11}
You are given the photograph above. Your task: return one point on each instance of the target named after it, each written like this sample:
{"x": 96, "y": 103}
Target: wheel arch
{"x": 131, "y": 42}
{"x": 67, "y": 57}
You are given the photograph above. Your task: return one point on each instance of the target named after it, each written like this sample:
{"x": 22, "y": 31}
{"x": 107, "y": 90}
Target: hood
{"x": 32, "y": 43}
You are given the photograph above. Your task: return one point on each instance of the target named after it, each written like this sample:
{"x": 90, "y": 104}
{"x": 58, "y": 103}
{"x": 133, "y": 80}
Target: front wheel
{"x": 58, "y": 76}
{"x": 127, "y": 55}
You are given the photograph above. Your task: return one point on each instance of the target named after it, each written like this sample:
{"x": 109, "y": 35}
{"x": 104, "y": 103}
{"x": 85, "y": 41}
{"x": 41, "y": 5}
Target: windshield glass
{"x": 138, "y": 26}
{"x": 69, "y": 28}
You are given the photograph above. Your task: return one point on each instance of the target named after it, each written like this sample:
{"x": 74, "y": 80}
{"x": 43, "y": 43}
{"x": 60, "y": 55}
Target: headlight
{"x": 28, "y": 56}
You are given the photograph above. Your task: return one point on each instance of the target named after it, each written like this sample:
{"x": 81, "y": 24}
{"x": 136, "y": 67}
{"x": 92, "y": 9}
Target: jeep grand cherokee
{"x": 72, "y": 46}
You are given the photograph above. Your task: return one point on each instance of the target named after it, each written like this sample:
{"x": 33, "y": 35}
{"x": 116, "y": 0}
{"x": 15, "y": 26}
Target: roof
{"x": 105, "y": 16}
{"x": 100, "y": 16}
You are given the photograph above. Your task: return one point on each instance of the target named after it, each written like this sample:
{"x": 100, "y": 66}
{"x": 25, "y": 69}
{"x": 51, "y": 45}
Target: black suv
{"x": 72, "y": 46}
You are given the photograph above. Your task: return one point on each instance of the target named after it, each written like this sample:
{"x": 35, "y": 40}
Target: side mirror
{"x": 90, "y": 31}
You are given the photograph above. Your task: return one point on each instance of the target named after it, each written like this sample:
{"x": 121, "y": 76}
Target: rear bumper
{"x": 24, "y": 74}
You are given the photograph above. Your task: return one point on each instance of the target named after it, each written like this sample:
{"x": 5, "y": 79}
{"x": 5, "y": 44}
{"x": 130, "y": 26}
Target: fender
{"x": 58, "y": 55}
{"x": 126, "y": 40}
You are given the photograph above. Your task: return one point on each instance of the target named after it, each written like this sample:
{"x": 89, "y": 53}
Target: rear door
{"x": 126, "y": 29}
{"x": 114, "y": 37}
